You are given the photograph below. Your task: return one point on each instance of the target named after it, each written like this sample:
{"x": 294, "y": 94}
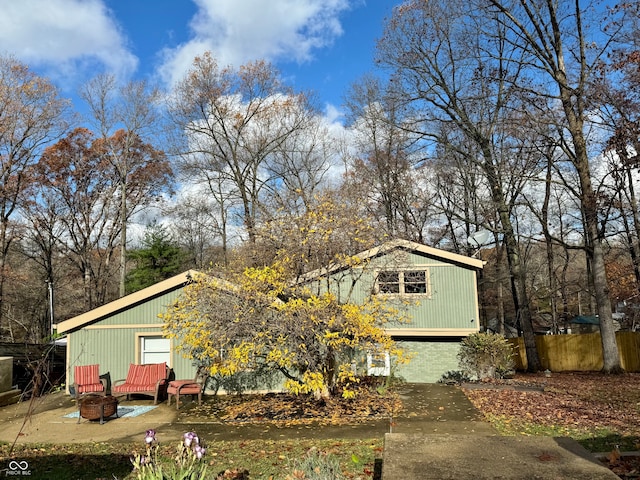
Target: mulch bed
{"x": 302, "y": 409}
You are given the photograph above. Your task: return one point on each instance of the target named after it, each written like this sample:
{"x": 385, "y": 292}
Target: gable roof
{"x": 125, "y": 302}
{"x": 397, "y": 244}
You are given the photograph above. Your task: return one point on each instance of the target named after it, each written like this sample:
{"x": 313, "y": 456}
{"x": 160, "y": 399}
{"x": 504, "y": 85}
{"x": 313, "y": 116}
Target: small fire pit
{"x": 98, "y": 407}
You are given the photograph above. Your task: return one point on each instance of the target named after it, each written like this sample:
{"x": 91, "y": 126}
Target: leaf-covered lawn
{"x": 285, "y": 409}
{"x": 602, "y": 412}
{"x": 575, "y": 401}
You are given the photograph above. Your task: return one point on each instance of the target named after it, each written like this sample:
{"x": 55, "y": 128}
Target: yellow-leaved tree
{"x": 258, "y": 323}
{"x": 259, "y": 320}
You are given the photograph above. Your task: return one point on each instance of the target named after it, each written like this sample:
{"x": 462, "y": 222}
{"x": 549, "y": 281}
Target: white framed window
{"x": 403, "y": 282}
{"x": 154, "y": 349}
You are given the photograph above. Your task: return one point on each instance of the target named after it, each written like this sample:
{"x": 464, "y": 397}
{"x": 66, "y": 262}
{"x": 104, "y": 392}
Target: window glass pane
{"x": 415, "y": 281}
{"x": 156, "y": 344}
{"x": 389, "y": 282}
{"x": 155, "y": 349}
{"x": 155, "y": 357}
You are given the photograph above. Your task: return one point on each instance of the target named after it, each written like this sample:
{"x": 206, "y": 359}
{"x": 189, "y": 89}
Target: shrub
{"x": 486, "y": 355}
{"x": 454, "y": 377}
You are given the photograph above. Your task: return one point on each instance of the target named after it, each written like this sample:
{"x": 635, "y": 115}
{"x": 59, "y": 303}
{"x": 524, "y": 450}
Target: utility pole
{"x": 50, "y": 287}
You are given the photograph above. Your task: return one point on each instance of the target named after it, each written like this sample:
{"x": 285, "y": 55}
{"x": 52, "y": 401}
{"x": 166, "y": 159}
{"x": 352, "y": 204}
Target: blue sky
{"x": 318, "y": 45}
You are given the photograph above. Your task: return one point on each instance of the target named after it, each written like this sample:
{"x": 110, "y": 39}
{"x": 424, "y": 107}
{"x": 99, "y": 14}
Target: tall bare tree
{"x": 230, "y": 123}
{"x": 564, "y": 47}
{"x": 127, "y": 117}
{"x": 301, "y": 168}
{"x": 32, "y": 114}
{"x": 454, "y": 75}
{"x": 387, "y": 158}
{"x": 618, "y": 89}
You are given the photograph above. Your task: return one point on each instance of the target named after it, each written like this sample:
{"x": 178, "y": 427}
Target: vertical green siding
{"x": 452, "y": 302}
{"x": 114, "y": 349}
{"x": 432, "y": 358}
{"x": 143, "y": 313}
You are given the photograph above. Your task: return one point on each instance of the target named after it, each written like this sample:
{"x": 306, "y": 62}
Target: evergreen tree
{"x": 159, "y": 258}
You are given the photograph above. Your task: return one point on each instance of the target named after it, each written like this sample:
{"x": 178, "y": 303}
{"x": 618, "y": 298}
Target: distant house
{"x": 438, "y": 289}
{"x": 591, "y": 323}
{"x": 126, "y": 331}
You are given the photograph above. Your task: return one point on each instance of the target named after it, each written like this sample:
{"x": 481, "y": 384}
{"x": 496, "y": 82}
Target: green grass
{"x": 263, "y": 459}
{"x": 595, "y": 440}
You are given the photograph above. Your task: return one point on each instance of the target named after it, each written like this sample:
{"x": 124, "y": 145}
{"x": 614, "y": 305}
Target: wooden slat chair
{"x": 143, "y": 380}
{"x": 188, "y": 387}
{"x": 86, "y": 379}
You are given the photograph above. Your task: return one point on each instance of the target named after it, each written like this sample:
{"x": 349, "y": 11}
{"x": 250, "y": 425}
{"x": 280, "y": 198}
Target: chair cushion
{"x": 157, "y": 371}
{"x": 142, "y": 377}
{"x": 87, "y": 374}
{"x": 186, "y": 387}
{"x": 94, "y": 387}
{"x": 135, "y": 375}
{"x": 190, "y": 390}
{"x": 133, "y": 388}
{"x": 179, "y": 383}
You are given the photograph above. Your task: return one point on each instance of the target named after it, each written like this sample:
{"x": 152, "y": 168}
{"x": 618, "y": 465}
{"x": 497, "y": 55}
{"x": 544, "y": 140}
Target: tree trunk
{"x": 123, "y": 235}
{"x": 87, "y": 288}
{"x": 517, "y": 274}
{"x": 595, "y": 256}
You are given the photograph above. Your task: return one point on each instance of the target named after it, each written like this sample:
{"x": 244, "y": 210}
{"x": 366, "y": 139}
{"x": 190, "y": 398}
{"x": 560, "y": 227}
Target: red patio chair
{"x": 148, "y": 379}
{"x": 188, "y": 387}
{"x": 86, "y": 379}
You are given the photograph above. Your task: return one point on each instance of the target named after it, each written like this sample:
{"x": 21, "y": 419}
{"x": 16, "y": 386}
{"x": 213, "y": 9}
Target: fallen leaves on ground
{"x": 297, "y": 409}
{"x": 567, "y": 403}
{"x": 626, "y": 467}
{"x": 581, "y": 401}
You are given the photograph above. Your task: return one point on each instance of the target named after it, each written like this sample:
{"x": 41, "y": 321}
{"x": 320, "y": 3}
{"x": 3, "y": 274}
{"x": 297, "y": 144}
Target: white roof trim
{"x": 396, "y": 244}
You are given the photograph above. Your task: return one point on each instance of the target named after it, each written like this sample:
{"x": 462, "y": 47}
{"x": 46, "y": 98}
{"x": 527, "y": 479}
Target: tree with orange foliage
{"x": 77, "y": 175}
{"x": 128, "y": 120}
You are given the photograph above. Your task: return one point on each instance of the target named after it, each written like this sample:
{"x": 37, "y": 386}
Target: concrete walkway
{"x": 438, "y": 435}
{"x": 428, "y": 409}
{"x": 450, "y": 442}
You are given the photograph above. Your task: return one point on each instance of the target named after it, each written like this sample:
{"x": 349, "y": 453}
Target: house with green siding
{"x": 126, "y": 331}
{"x": 436, "y": 289}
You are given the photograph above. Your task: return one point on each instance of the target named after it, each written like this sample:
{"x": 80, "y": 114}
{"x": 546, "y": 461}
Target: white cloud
{"x": 62, "y": 36}
{"x": 238, "y": 31}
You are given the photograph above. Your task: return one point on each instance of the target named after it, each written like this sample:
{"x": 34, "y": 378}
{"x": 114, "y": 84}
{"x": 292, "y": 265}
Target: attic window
{"x": 403, "y": 282}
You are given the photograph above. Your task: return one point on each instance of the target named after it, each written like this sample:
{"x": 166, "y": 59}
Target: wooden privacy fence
{"x": 583, "y": 352}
